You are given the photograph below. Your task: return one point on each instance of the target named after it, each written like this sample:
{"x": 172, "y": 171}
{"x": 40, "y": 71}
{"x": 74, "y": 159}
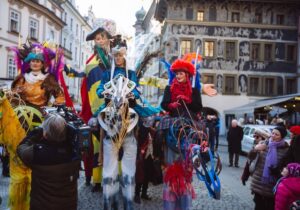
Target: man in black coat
{"x": 234, "y": 138}
{"x": 47, "y": 150}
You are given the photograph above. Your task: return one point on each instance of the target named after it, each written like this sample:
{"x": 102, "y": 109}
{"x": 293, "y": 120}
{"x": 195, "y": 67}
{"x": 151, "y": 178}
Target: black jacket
{"x": 54, "y": 173}
{"x": 234, "y": 138}
{"x": 194, "y": 107}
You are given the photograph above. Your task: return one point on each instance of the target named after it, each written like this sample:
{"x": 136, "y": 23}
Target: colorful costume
{"x": 11, "y": 134}
{"x": 96, "y": 65}
{"x": 123, "y": 134}
{"x": 180, "y": 100}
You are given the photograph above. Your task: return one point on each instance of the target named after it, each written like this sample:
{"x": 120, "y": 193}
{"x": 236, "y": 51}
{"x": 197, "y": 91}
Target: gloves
{"x": 174, "y": 105}
{"x": 184, "y": 98}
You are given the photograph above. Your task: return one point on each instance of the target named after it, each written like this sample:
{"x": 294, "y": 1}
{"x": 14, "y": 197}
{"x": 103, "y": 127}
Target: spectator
{"x": 48, "y": 152}
{"x": 259, "y": 135}
{"x": 217, "y": 130}
{"x": 264, "y": 177}
{"x": 234, "y": 138}
{"x": 211, "y": 124}
{"x": 288, "y": 187}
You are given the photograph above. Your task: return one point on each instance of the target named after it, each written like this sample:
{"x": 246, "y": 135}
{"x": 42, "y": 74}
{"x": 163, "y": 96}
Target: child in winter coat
{"x": 287, "y": 189}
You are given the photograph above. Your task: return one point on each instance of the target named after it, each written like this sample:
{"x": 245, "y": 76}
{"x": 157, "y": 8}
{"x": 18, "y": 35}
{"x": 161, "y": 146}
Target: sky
{"x": 121, "y": 11}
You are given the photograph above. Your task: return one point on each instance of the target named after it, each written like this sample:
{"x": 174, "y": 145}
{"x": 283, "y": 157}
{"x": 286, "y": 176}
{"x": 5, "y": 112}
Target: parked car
{"x": 248, "y": 139}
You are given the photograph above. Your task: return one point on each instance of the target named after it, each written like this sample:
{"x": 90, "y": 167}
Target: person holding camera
{"x": 47, "y": 150}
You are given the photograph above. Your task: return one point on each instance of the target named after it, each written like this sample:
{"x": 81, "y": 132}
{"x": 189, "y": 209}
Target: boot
{"x": 97, "y": 188}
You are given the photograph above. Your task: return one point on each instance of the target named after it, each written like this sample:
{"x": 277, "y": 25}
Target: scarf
{"x": 271, "y": 160}
{"x": 33, "y": 78}
{"x": 178, "y": 88}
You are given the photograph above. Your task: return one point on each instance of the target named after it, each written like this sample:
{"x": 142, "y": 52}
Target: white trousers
{"x": 111, "y": 179}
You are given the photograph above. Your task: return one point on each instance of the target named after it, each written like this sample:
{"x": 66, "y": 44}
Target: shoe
{"x": 137, "y": 199}
{"x": 96, "y": 188}
{"x": 230, "y": 165}
{"x": 237, "y": 166}
{"x": 146, "y": 197}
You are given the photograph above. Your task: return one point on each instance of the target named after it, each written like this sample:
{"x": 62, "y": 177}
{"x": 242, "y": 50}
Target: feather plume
{"x": 141, "y": 67}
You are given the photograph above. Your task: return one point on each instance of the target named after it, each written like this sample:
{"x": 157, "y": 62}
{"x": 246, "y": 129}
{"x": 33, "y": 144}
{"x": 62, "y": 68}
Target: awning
{"x": 249, "y": 108}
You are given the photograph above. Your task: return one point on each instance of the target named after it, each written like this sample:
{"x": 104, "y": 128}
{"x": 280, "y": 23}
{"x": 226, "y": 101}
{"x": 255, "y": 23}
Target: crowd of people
{"x": 130, "y": 145}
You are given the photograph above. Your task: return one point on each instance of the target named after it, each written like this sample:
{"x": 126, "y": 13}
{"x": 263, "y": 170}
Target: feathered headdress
{"x": 51, "y": 56}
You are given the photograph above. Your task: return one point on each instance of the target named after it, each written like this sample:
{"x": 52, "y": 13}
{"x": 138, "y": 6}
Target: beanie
{"x": 281, "y": 130}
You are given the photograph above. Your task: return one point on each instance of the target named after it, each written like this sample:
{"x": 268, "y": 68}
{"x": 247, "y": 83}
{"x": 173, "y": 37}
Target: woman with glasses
{"x": 259, "y": 136}
{"x": 264, "y": 178}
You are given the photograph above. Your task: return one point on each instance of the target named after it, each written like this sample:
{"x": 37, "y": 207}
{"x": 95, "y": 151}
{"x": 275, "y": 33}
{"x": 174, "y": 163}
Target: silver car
{"x": 248, "y": 138}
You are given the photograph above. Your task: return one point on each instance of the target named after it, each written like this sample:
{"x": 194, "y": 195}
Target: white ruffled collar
{"x": 33, "y": 78}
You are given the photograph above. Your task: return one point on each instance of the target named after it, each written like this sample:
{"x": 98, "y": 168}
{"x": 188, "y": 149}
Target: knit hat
{"x": 281, "y": 130}
{"x": 263, "y": 133}
{"x": 295, "y": 129}
{"x": 182, "y": 65}
{"x": 294, "y": 169}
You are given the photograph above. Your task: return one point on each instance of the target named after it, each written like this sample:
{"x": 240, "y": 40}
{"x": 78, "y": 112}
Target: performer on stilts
{"x": 96, "y": 65}
{"x": 180, "y": 100}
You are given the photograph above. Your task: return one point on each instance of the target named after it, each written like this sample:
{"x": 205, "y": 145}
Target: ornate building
{"x": 37, "y": 20}
{"x": 77, "y": 50}
{"x": 249, "y": 48}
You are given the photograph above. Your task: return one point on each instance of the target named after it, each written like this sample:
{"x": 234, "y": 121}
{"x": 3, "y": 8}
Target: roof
{"x": 249, "y": 108}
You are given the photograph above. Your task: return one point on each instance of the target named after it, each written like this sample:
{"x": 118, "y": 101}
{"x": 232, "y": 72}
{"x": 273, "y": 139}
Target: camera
{"x": 77, "y": 131}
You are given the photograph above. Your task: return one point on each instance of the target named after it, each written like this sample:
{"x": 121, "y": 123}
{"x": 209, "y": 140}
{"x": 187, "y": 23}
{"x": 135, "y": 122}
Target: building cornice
{"x": 40, "y": 9}
{"x": 230, "y": 24}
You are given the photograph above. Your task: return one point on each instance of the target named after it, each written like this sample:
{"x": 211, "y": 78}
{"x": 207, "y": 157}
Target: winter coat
{"x": 54, "y": 173}
{"x": 288, "y": 191}
{"x": 234, "y": 138}
{"x": 257, "y": 186}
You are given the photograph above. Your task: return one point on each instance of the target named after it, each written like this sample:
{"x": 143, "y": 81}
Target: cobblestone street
{"x": 234, "y": 196}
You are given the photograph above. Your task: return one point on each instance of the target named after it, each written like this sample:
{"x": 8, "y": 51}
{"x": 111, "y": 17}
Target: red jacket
{"x": 288, "y": 191}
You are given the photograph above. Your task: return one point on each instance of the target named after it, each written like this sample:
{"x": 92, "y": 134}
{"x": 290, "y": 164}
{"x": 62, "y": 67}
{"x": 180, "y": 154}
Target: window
{"x": 235, "y": 17}
{"x": 280, "y": 19}
{"x": 229, "y": 84}
{"x": 82, "y": 56}
{"x": 212, "y": 13}
{"x": 64, "y": 43}
{"x": 52, "y": 35}
{"x": 269, "y": 86}
{"x": 268, "y": 53}
{"x": 186, "y": 46}
{"x": 76, "y": 29}
{"x": 291, "y": 53}
{"x": 291, "y": 86}
{"x": 200, "y": 16}
{"x": 254, "y": 86}
{"x": 83, "y": 35}
{"x": 230, "y": 51}
{"x": 71, "y": 24}
{"x": 33, "y": 28}
{"x": 209, "y": 48}
{"x": 11, "y": 68}
{"x": 258, "y": 17}
{"x": 189, "y": 13}
{"x": 255, "y": 51}
{"x": 71, "y": 46}
{"x": 14, "y": 21}
{"x": 208, "y": 79}
{"x": 66, "y": 16}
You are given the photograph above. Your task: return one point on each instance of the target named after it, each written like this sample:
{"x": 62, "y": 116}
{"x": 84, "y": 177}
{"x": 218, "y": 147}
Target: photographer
{"x": 47, "y": 150}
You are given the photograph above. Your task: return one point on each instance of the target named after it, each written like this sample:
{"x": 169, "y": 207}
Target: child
{"x": 287, "y": 189}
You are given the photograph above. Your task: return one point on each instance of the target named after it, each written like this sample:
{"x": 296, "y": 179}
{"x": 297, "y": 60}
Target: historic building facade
{"x": 249, "y": 49}
{"x": 77, "y": 50}
{"x": 37, "y": 20}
